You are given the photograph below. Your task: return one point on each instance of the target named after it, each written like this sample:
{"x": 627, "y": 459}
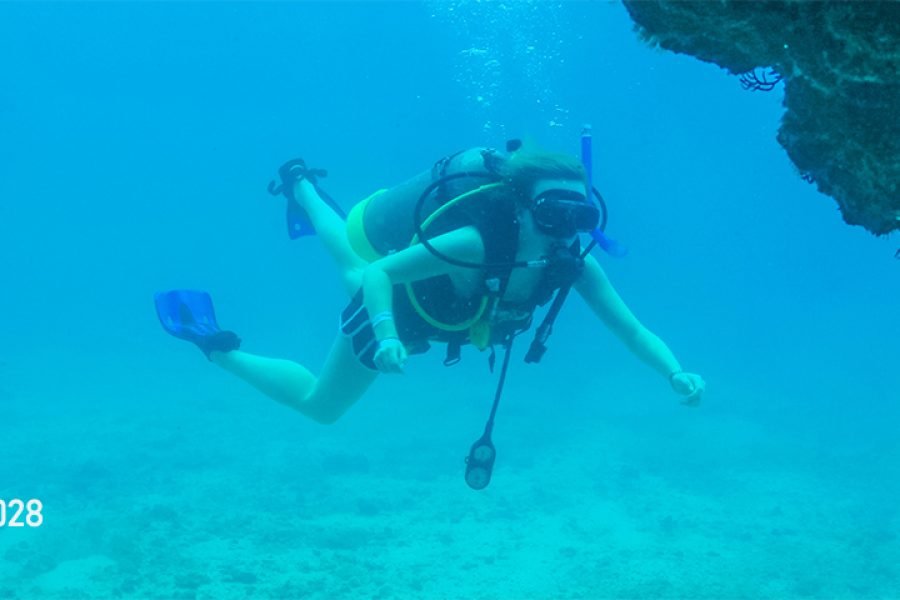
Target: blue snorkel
{"x": 587, "y": 156}
{"x": 609, "y": 245}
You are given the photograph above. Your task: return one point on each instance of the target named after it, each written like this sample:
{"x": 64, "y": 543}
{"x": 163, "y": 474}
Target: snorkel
{"x": 587, "y": 155}
{"x": 609, "y": 245}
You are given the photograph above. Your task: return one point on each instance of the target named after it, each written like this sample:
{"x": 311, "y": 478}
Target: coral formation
{"x": 839, "y": 63}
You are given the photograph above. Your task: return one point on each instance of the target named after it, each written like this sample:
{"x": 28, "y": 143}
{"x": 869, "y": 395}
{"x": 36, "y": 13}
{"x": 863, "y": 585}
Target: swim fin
{"x": 189, "y": 315}
{"x": 298, "y": 221}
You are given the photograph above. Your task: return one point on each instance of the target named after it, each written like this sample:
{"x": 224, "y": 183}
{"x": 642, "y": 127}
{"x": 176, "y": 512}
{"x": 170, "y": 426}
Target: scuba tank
{"x": 385, "y": 223}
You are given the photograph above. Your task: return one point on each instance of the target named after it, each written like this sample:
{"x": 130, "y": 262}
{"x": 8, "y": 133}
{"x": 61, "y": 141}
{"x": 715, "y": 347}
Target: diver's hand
{"x": 689, "y": 385}
{"x": 390, "y": 356}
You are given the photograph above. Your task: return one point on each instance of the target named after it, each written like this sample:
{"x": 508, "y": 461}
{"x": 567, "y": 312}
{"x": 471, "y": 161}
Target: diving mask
{"x": 563, "y": 213}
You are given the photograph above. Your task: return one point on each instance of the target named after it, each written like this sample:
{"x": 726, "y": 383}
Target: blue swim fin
{"x": 298, "y": 221}
{"x": 290, "y": 173}
{"x": 189, "y": 315}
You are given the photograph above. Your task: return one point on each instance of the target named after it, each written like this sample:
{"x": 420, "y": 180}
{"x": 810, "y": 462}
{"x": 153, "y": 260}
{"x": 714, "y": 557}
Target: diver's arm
{"x": 414, "y": 264}
{"x": 378, "y": 297}
{"x": 606, "y": 303}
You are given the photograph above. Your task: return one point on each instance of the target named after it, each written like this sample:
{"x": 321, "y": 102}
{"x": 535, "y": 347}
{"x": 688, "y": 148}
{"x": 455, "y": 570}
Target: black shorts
{"x": 437, "y": 297}
{"x": 356, "y": 325}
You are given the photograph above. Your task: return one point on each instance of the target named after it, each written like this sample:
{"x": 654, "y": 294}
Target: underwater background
{"x": 136, "y": 142}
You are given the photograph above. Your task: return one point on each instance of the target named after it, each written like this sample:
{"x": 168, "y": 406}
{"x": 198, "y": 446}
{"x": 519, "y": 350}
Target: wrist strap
{"x": 381, "y": 318}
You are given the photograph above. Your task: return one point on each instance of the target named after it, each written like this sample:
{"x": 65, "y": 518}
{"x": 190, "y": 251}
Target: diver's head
{"x": 552, "y": 189}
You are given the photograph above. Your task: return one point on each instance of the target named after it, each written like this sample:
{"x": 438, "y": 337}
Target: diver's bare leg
{"x": 342, "y": 382}
{"x": 332, "y": 230}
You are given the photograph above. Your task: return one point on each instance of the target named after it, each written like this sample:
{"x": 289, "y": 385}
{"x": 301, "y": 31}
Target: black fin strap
{"x": 290, "y": 173}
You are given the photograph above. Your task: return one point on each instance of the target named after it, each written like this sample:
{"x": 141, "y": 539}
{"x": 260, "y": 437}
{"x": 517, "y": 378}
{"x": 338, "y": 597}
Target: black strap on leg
{"x": 290, "y": 173}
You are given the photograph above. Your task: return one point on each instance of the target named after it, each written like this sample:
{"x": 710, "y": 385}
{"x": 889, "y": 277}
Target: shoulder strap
{"x": 539, "y": 343}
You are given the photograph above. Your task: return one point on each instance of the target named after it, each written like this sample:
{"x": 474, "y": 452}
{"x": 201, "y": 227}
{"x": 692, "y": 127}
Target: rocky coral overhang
{"x": 839, "y": 63}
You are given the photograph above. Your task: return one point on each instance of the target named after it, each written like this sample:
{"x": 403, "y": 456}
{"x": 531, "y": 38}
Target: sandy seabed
{"x": 621, "y": 509}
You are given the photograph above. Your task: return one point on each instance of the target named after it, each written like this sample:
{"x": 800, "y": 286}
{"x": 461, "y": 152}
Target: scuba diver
{"x": 462, "y": 254}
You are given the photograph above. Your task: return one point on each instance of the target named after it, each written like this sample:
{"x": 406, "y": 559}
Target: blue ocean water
{"x": 136, "y": 142}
